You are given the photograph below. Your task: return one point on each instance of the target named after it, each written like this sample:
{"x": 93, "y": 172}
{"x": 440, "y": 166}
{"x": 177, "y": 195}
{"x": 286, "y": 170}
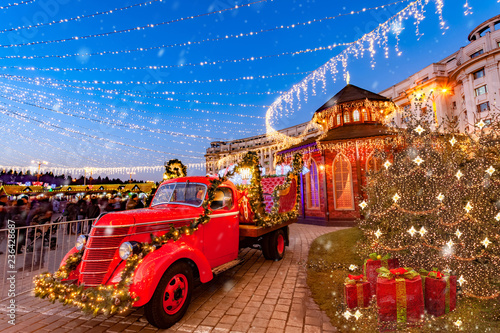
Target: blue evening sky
{"x": 89, "y": 102}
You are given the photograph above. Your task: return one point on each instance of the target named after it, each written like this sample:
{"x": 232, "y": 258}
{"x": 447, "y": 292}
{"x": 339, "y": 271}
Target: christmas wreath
{"x": 174, "y": 169}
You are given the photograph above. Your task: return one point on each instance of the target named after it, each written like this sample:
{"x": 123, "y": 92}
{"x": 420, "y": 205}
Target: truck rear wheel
{"x": 171, "y": 297}
{"x": 273, "y": 245}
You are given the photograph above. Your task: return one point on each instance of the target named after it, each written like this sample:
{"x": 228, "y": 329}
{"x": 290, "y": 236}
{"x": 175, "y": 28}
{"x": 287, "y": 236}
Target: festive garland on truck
{"x": 110, "y": 299}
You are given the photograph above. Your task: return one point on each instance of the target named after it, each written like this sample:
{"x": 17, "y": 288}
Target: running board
{"x": 228, "y": 265}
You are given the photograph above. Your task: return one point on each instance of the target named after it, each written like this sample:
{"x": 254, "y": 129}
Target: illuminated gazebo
{"x": 339, "y": 158}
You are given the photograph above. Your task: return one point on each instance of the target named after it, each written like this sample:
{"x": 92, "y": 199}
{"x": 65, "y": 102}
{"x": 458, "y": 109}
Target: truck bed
{"x": 247, "y": 230}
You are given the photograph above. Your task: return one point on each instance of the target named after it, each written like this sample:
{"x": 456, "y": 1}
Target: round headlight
{"x": 126, "y": 250}
{"x": 80, "y": 242}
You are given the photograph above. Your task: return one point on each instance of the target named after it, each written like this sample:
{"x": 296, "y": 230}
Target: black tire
{"x": 265, "y": 247}
{"x": 157, "y": 309}
{"x": 273, "y": 246}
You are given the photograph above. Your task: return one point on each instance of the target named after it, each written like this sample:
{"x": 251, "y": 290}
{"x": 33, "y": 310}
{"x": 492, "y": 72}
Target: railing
{"x": 32, "y": 250}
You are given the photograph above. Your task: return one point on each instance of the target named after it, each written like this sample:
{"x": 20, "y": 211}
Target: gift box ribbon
{"x": 435, "y": 274}
{"x": 373, "y": 256}
{"x": 399, "y": 275}
{"x": 358, "y": 281}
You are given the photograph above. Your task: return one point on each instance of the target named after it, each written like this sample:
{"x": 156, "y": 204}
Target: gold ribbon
{"x": 361, "y": 302}
{"x": 447, "y": 295}
{"x": 401, "y": 299}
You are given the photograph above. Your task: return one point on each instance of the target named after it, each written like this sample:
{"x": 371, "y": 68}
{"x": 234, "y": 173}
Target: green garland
{"x": 174, "y": 169}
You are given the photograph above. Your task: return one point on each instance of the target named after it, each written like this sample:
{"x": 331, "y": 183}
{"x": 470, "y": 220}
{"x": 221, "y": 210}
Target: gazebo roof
{"x": 352, "y": 93}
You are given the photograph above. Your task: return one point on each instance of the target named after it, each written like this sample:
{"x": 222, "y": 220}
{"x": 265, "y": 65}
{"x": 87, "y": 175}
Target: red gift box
{"x": 440, "y": 293}
{"x": 371, "y": 265}
{"x": 399, "y": 296}
{"x": 357, "y": 292}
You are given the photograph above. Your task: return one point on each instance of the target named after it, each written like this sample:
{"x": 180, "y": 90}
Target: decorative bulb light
{"x": 459, "y": 174}
{"x": 357, "y": 314}
{"x": 422, "y": 231}
{"x": 461, "y": 280}
{"x": 458, "y": 233}
{"x": 378, "y": 233}
{"x": 486, "y": 242}
{"x": 490, "y": 170}
{"x": 440, "y": 197}
{"x": 347, "y": 314}
{"x": 497, "y": 217}
{"x": 419, "y": 130}
{"x": 396, "y": 197}
{"x": 353, "y": 267}
{"x": 458, "y": 323}
{"x": 481, "y": 124}
{"x": 468, "y": 207}
{"x": 412, "y": 231}
{"x": 387, "y": 164}
{"x": 450, "y": 243}
{"x": 418, "y": 160}
{"x": 363, "y": 204}
{"x": 453, "y": 141}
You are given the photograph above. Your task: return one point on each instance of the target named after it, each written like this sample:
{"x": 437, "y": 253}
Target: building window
{"x": 373, "y": 163}
{"x": 339, "y": 119}
{"x": 355, "y": 115}
{"x": 312, "y": 186}
{"x": 365, "y": 115}
{"x": 347, "y": 119}
{"x": 478, "y": 74}
{"x": 481, "y": 90}
{"x": 342, "y": 183}
{"x": 476, "y": 54}
{"x": 374, "y": 115}
{"x": 330, "y": 122}
{"x": 483, "y": 107}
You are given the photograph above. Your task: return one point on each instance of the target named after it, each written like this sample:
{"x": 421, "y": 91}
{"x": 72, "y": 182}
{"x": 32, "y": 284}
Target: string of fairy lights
{"x": 139, "y": 28}
{"x": 98, "y": 101}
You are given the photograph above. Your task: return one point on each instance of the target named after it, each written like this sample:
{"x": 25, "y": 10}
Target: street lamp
{"x": 39, "y": 164}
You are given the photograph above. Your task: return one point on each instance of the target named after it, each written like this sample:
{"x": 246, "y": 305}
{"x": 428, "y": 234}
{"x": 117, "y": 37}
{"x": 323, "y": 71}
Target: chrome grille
{"x": 99, "y": 252}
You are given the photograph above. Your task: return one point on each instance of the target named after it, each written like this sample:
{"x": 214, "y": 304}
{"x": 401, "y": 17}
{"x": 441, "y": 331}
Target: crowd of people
{"x": 25, "y": 211}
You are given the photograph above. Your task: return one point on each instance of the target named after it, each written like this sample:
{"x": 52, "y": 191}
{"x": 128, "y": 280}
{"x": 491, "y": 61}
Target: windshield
{"x": 191, "y": 194}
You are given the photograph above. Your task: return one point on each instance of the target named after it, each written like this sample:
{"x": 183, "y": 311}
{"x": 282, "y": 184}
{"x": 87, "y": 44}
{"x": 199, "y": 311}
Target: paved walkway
{"x": 257, "y": 296}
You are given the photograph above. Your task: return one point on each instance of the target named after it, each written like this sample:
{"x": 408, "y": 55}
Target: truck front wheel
{"x": 273, "y": 245}
{"x": 171, "y": 297}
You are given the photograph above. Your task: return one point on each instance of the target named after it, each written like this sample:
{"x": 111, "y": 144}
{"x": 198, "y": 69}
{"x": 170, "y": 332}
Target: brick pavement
{"x": 256, "y": 296}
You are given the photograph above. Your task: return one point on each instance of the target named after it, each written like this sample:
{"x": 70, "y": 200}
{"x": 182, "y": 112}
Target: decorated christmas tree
{"x": 436, "y": 201}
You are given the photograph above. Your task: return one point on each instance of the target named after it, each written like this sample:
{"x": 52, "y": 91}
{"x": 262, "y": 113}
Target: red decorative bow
{"x": 398, "y": 271}
{"x": 356, "y": 277}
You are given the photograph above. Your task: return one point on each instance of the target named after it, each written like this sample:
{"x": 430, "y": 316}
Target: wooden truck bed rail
{"x": 255, "y": 231}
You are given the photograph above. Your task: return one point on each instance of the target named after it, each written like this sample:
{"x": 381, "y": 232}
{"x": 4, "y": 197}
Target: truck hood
{"x": 178, "y": 214}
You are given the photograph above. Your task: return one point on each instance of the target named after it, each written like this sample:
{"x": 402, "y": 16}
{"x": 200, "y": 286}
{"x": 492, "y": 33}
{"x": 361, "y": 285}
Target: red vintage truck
{"x": 163, "y": 279}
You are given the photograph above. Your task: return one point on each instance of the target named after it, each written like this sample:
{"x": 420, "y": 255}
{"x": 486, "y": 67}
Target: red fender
{"x": 148, "y": 274}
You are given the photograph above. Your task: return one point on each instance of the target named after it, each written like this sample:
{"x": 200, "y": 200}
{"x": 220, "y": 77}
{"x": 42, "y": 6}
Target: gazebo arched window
{"x": 347, "y": 118}
{"x": 365, "y": 115}
{"x": 342, "y": 183}
{"x": 373, "y": 164}
{"x": 339, "y": 119}
{"x": 330, "y": 122}
{"x": 373, "y": 115}
{"x": 355, "y": 115}
{"x": 312, "y": 186}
